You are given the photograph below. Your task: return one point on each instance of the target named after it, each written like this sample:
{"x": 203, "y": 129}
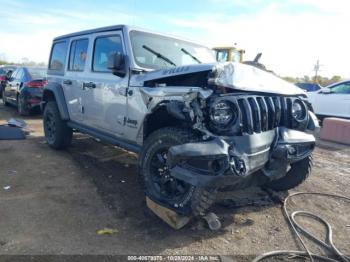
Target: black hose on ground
{"x": 328, "y": 244}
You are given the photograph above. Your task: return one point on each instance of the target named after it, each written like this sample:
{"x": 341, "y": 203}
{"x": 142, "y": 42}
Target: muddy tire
{"x": 297, "y": 174}
{"x": 57, "y": 134}
{"x": 157, "y": 181}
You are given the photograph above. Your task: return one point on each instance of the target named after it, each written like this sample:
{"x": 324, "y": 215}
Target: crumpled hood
{"x": 249, "y": 78}
{"x": 230, "y": 75}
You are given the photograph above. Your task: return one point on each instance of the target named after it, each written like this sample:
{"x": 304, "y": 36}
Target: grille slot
{"x": 263, "y": 113}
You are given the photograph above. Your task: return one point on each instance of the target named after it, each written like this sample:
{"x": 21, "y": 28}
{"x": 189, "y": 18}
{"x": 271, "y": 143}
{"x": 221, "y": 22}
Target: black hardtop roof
{"x": 91, "y": 31}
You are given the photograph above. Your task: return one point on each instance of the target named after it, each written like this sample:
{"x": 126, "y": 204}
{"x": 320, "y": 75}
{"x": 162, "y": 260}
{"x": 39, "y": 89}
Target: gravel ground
{"x": 57, "y": 200}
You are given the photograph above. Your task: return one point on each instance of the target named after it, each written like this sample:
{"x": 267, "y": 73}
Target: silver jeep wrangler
{"x": 198, "y": 126}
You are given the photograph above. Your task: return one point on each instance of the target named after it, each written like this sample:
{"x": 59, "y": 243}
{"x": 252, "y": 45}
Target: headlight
{"x": 222, "y": 113}
{"x": 298, "y": 110}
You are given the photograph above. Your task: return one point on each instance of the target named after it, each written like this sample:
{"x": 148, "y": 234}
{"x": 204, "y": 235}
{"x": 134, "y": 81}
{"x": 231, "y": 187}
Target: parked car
{"x": 333, "y": 100}
{"x": 197, "y": 125}
{"x": 24, "y": 89}
{"x": 5, "y": 73}
{"x": 309, "y": 87}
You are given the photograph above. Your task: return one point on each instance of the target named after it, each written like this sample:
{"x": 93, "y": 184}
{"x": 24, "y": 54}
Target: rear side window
{"x": 58, "y": 56}
{"x": 14, "y": 74}
{"x": 77, "y": 56}
{"x": 104, "y": 47}
{"x": 19, "y": 75}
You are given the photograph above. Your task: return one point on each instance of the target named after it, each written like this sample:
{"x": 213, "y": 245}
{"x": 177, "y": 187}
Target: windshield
{"x": 37, "y": 73}
{"x": 155, "y": 51}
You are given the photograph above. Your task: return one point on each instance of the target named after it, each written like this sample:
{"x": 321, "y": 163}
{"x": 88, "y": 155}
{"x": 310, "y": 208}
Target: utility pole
{"x": 316, "y": 69}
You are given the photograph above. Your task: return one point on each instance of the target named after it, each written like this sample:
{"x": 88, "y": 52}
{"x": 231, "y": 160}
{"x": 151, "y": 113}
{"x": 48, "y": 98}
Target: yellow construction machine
{"x": 226, "y": 54}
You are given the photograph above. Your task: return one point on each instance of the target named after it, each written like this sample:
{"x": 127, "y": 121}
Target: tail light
{"x": 36, "y": 83}
{"x": 2, "y": 78}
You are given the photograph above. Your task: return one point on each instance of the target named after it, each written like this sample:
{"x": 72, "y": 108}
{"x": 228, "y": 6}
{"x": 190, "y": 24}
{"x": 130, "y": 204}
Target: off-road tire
{"x": 199, "y": 199}
{"x": 296, "y": 175}
{"x": 57, "y": 134}
{"x": 21, "y": 107}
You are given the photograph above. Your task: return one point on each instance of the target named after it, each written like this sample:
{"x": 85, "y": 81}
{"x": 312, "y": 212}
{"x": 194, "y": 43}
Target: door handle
{"x": 89, "y": 85}
{"x": 67, "y": 82}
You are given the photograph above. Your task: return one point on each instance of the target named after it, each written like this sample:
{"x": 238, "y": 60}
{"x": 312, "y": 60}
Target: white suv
{"x": 333, "y": 100}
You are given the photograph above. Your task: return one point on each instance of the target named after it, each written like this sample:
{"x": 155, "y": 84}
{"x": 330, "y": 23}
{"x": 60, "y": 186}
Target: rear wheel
{"x": 57, "y": 134}
{"x": 296, "y": 175}
{"x": 158, "y": 183}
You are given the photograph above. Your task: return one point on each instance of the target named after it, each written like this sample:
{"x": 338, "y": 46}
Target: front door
{"x": 104, "y": 95}
{"x": 14, "y": 85}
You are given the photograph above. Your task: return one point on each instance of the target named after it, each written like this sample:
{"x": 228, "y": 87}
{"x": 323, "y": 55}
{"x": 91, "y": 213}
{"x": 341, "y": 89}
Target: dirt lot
{"x": 58, "y": 199}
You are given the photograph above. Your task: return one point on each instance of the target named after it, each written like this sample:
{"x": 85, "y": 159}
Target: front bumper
{"x": 230, "y": 160}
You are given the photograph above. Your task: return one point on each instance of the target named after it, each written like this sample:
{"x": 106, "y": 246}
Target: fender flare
{"x": 54, "y": 91}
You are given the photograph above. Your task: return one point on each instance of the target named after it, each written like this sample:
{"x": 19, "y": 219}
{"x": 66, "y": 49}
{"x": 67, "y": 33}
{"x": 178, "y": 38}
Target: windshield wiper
{"x": 159, "y": 55}
{"x": 189, "y": 54}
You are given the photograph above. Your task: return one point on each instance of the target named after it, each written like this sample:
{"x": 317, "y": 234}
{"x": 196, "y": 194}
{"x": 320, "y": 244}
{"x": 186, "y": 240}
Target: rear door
{"x": 104, "y": 94}
{"x": 74, "y": 77}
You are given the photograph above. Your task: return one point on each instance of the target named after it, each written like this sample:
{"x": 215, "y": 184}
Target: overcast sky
{"x": 291, "y": 34}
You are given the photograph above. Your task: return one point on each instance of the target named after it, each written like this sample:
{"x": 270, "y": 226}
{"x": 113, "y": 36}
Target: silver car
{"x": 197, "y": 125}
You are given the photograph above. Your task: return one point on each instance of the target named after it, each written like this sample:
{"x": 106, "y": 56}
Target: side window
{"x": 58, "y": 56}
{"x": 343, "y": 88}
{"x": 105, "y": 46}
{"x": 14, "y": 74}
{"x": 77, "y": 56}
{"x": 19, "y": 75}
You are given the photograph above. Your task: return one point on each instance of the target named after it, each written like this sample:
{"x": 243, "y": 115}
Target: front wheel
{"x": 158, "y": 183}
{"x": 296, "y": 175}
{"x": 57, "y": 134}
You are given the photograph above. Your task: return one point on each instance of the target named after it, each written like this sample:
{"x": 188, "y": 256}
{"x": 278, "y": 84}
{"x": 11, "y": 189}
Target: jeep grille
{"x": 263, "y": 113}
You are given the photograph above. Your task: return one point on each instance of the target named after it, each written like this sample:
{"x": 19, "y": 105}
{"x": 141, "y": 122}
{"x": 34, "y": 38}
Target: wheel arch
{"x": 54, "y": 92}
{"x": 165, "y": 114}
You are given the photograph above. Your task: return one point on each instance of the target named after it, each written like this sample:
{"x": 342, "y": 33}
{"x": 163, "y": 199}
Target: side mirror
{"x": 326, "y": 90}
{"x": 116, "y": 63}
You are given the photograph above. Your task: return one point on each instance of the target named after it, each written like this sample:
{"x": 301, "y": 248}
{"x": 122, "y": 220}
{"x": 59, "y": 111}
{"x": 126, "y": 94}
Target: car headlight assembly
{"x": 299, "y": 110}
{"x": 223, "y": 113}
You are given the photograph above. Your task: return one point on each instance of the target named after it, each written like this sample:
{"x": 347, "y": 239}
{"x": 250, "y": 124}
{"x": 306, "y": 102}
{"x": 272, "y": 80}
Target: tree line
{"x": 25, "y": 62}
{"x": 321, "y": 80}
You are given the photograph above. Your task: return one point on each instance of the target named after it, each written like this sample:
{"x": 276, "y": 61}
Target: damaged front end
{"x": 229, "y": 161}
{"x": 247, "y": 124}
